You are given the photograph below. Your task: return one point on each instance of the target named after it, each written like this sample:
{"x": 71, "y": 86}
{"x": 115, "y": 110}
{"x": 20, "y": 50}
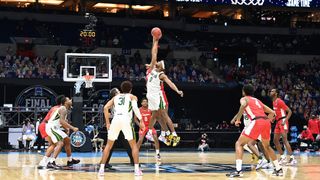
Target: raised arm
{"x": 63, "y": 119}
{"x": 106, "y": 112}
{"x": 154, "y": 53}
{"x": 165, "y": 78}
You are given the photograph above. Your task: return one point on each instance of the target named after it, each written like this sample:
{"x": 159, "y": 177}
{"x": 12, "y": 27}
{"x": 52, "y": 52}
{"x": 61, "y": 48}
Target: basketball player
{"x": 123, "y": 104}
{"x": 146, "y": 116}
{"x": 57, "y": 114}
{"x": 283, "y": 114}
{"x": 259, "y": 126}
{"x": 154, "y": 94}
{"x": 121, "y": 139}
{"x": 166, "y": 136}
{"x": 252, "y": 146}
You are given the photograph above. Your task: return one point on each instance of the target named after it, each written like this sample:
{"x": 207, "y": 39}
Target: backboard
{"x": 78, "y": 65}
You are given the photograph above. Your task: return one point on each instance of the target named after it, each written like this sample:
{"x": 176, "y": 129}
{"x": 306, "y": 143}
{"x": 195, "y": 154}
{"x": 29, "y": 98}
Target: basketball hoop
{"x": 88, "y": 80}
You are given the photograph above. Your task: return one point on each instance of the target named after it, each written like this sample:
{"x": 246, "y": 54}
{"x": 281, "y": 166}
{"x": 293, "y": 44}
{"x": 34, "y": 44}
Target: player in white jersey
{"x": 123, "y": 104}
{"x": 155, "y": 96}
{"x": 58, "y": 119}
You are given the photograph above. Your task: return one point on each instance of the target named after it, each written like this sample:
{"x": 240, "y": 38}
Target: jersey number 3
{"x": 122, "y": 100}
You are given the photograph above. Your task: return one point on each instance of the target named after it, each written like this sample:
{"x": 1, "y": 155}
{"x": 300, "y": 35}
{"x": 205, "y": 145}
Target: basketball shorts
{"x": 156, "y": 101}
{"x": 42, "y": 130}
{"x": 120, "y": 124}
{"x": 55, "y": 133}
{"x": 143, "y": 133}
{"x": 259, "y": 137}
{"x": 258, "y": 128}
{"x": 280, "y": 129}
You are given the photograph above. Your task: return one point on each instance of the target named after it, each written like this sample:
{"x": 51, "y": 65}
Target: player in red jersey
{"x": 66, "y": 141}
{"x": 259, "y": 126}
{"x": 146, "y": 116}
{"x": 313, "y": 125}
{"x": 283, "y": 114}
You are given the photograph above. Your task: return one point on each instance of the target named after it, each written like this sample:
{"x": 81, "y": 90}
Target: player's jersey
{"x": 146, "y": 115}
{"x": 246, "y": 120}
{"x": 54, "y": 118}
{"x": 254, "y": 108}
{"x": 153, "y": 82}
{"x": 122, "y": 106}
{"x": 280, "y": 109}
{"x": 50, "y": 113}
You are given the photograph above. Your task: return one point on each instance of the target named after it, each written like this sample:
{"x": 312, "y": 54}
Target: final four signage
{"x": 280, "y": 3}
{"x": 36, "y": 96}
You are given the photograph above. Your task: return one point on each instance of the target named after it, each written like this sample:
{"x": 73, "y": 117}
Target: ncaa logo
{"x": 78, "y": 139}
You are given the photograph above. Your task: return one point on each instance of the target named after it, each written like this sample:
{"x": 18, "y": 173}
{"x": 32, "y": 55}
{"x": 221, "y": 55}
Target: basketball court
{"x": 176, "y": 165}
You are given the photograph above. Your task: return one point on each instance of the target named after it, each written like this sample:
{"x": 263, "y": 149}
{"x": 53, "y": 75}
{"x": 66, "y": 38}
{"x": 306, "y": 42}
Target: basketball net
{"x": 88, "y": 80}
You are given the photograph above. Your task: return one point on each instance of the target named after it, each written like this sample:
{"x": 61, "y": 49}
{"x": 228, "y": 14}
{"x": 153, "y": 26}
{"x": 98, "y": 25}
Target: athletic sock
{"x": 276, "y": 164}
{"x": 167, "y": 133}
{"x": 102, "y": 166}
{"x": 163, "y": 133}
{"x": 70, "y": 158}
{"x": 174, "y": 134}
{"x": 291, "y": 157}
{"x": 157, "y": 151}
{"x": 136, "y": 167}
{"x": 238, "y": 164}
{"x": 283, "y": 156}
{"x": 150, "y": 131}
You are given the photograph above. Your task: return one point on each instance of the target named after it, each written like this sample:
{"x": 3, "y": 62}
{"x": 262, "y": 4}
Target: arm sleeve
{"x": 136, "y": 109}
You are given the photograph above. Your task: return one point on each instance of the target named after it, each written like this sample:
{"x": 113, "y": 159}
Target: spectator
{"x": 305, "y": 137}
{"x": 203, "y": 143}
{"x": 313, "y": 125}
{"x": 223, "y": 125}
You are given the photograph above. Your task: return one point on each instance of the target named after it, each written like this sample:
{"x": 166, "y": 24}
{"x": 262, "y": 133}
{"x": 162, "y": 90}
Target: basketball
{"x": 156, "y": 32}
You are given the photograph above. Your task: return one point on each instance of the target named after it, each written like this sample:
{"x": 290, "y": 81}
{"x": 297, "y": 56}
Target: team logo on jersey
{"x": 78, "y": 139}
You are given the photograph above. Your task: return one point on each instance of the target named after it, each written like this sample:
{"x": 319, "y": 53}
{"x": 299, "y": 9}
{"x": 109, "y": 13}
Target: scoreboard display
{"x": 87, "y": 37}
{"x": 278, "y": 3}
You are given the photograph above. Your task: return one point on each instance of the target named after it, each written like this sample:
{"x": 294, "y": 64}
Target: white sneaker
{"x": 158, "y": 159}
{"x": 101, "y": 172}
{"x": 261, "y": 163}
{"x": 43, "y": 163}
{"x": 267, "y": 166}
{"x": 292, "y": 162}
{"x": 282, "y": 160}
{"x": 162, "y": 139}
{"x": 138, "y": 173}
{"x": 149, "y": 136}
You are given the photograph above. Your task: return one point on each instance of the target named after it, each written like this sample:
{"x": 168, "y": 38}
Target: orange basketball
{"x": 156, "y": 32}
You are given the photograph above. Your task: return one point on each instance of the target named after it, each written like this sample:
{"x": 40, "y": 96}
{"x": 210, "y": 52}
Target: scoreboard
{"x": 278, "y": 3}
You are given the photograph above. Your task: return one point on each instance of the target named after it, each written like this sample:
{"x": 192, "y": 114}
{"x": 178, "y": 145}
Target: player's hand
{"x": 237, "y": 123}
{"x": 232, "y": 121}
{"x": 147, "y": 66}
{"x": 180, "y": 93}
{"x": 75, "y": 129}
{"x": 108, "y": 126}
